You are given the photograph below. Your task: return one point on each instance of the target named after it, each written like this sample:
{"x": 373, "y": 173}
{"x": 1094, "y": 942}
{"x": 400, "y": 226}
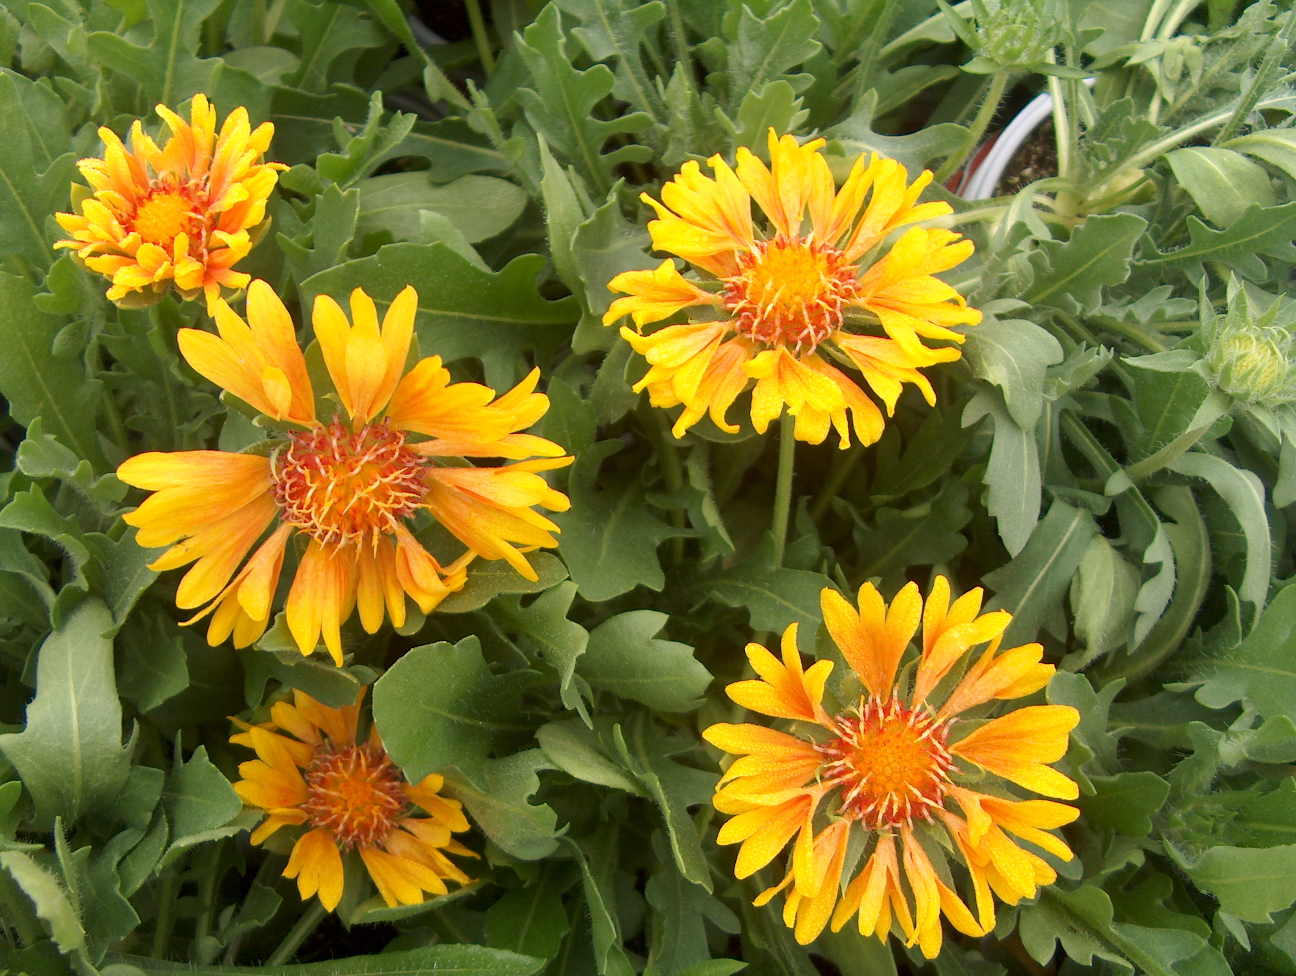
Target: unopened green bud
{"x": 1015, "y": 34}
{"x": 1252, "y": 359}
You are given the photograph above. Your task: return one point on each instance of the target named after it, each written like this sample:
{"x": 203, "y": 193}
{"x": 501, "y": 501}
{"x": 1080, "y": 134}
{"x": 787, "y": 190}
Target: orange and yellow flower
{"x": 776, "y": 301}
{"x": 350, "y": 796}
{"x": 184, "y": 214}
{"x": 898, "y": 782}
{"x": 346, "y": 485}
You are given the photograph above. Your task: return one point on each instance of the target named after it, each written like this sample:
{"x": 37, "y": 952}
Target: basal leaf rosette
{"x": 312, "y": 772}
{"x": 183, "y": 214}
{"x": 775, "y": 302}
{"x": 893, "y": 796}
{"x": 349, "y": 486}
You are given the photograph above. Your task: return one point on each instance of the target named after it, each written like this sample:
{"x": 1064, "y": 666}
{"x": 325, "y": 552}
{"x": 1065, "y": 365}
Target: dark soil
{"x": 1035, "y": 160}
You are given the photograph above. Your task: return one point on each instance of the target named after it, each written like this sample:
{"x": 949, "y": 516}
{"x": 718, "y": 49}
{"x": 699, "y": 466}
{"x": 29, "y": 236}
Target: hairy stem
{"x": 298, "y": 934}
{"x": 783, "y": 486}
{"x": 480, "y": 36}
{"x": 985, "y": 115}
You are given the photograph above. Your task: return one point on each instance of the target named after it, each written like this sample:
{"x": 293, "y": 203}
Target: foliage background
{"x": 1092, "y": 460}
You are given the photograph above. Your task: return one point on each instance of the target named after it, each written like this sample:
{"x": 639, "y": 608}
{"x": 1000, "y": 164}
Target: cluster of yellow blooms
{"x": 876, "y": 792}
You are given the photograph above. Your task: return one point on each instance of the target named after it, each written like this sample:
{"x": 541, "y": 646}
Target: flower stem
{"x": 783, "y": 486}
{"x": 480, "y": 36}
{"x": 672, "y": 474}
{"x": 165, "y": 916}
{"x": 986, "y": 114}
{"x": 298, "y": 934}
{"x": 679, "y": 41}
{"x": 843, "y": 466}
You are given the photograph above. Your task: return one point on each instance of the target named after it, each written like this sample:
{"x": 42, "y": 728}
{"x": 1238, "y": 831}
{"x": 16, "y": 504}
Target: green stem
{"x": 984, "y": 116}
{"x": 19, "y": 911}
{"x": 672, "y": 474}
{"x": 157, "y": 342}
{"x": 298, "y": 934}
{"x": 207, "y": 892}
{"x": 116, "y": 427}
{"x": 872, "y": 46}
{"x": 783, "y": 486}
{"x": 843, "y": 466}
{"x": 480, "y": 36}
{"x": 166, "y": 916}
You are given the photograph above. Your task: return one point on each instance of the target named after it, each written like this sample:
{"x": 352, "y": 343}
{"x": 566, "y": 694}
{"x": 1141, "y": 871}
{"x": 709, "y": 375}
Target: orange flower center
{"x": 789, "y": 291}
{"x": 165, "y": 213}
{"x": 891, "y": 763}
{"x": 356, "y": 793}
{"x": 341, "y": 486}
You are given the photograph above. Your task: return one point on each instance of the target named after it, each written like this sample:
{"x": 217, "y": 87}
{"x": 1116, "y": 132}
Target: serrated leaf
{"x": 479, "y": 207}
{"x": 926, "y": 534}
{"x": 531, "y": 920}
{"x": 561, "y": 642}
{"x": 774, "y": 595}
{"x": 1012, "y": 476}
{"x": 327, "y": 31}
{"x": 579, "y": 752}
{"x": 1071, "y": 275}
{"x": 912, "y": 151}
{"x": 502, "y": 807}
{"x": 198, "y": 799}
{"x": 765, "y": 48}
{"x": 1013, "y": 354}
{"x": 463, "y": 311}
{"x": 625, "y": 657}
{"x": 1260, "y": 230}
{"x": 48, "y": 897}
{"x": 1125, "y": 802}
{"x": 610, "y": 538}
{"x": 33, "y": 181}
{"x": 679, "y": 939}
{"x": 1261, "y": 668}
{"x": 560, "y": 107}
{"x": 166, "y": 68}
{"x": 613, "y": 29}
{"x": 70, "y": 755}
{"x": 327, "y": 236}
{"x": 1250, "y": 883}
{"x": 487, "y": 580}
{"x": 457, "y": 719}
{"x": 34, "y": 381}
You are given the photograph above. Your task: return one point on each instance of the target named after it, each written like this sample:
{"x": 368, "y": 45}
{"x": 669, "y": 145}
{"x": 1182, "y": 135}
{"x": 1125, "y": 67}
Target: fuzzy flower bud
{"x": 1250, "y": 358}
{"x": 1014, "y": 34}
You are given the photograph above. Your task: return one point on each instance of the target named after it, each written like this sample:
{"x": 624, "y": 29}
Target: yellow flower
{"x": 184, "y": 213}
{"x": 350, "y": 797}
{"x": 893, "y": 771}
{"x": 347, "y": 485}
{"x": 777, "y": 301}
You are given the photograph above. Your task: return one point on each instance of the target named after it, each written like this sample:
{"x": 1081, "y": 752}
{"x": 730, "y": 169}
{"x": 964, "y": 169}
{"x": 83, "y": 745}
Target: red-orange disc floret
{"x": 789, "y": 291}
{"x": 891, "y": 763}
{"x": 340, "y": 486}
{"x": 356, "y": 793}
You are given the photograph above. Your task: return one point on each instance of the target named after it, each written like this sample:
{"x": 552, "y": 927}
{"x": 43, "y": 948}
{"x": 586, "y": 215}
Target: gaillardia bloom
{"x": 349, "y": 796}
{"x": 346, "y": 485}
{"x": 897, "y": 782}
{"x": 185, "y": 213}
{"x": 777, "y": 300}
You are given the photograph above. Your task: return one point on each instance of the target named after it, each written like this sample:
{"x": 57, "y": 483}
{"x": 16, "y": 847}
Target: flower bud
{"x": 1251, "y": 358}
{"x": 1015, "y": 35}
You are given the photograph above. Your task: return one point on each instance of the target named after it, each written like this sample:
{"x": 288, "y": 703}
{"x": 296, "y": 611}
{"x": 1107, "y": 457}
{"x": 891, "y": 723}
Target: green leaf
{"x": 1262, "y": 669}
{"x": 70, "y": 755}
{"x": 125, "y": 571}
{"x": 327, "y": 236}
{"x": 327, "y": 31}
{"x": 33, "y": 180}
{"x": 1260, "y": 230}
{"x": 773, "y": 106}
{"x": 561, "y": 642}
{"x": 463, "y": 311}
{"x": 579, "y": 752}
{"x": 613, "y": 30}
{"x": 913, "y": 151}
{"x": 165, "y": 68}
{"x": 34, "y": 381}
{"x": 480, "y": 207}
{"x": 929, "y": 533}
{"x": 561, "y": 106}
{"x": 679, "y": 939}
{"x": 764, "y": 49}
{"x": 199, "y": 802}
{"x": 1250, "y": 883}
{"x": 487, "y": 580}
{"x": 1031, "y": 586}
{"x": 1168, "y": 403}
{"x": 1103, "y": 592}
{"x": 1071, "y": 275}
{"x": 1125, "y": 802}
{"x": 503, "y": 809}
{"x": 48, "y": 897}
{"x": 610, "y": 537}
{"x": 596, "y": 869}
{"x": 1277, "y": 147}
{"x": 456, "y": 719}
{"x": 625, "y": 657}
{"x": 673, "y": 787}
{"x": 1012, "y": 476}
{"x": 774, "y": 595}
{"x": 154, "y": 665}
{"x": 40, "y": 455}
{"x": 531, "y": 920}
{"x": 449, "y": 958}
{"x": 1221, "y": 182}
{"x": 604, "y": 245}
{"x": 1013, "y": 354}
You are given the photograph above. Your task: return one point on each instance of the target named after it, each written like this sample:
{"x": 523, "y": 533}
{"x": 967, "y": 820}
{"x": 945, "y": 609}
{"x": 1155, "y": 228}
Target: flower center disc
{"x": 891, "y": 763}
{"x": 356, "y": 794}
{"x": 790, "y": 291}
{"x": 164, "y": 214}
{"x": 340, "y": 486}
